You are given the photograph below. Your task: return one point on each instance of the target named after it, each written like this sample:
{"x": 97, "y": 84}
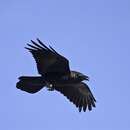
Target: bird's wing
{"x": 79, "y": 94}
{"x": 47, "y": 59}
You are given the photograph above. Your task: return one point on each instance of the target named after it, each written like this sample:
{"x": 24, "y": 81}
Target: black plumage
{"x": 56, "y": 75}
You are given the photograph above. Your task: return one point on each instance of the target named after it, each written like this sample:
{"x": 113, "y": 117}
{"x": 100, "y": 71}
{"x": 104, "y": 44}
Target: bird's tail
{"x": 30, "y": 84}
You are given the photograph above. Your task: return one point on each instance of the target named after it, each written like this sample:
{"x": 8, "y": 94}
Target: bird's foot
{"x": 49, "y": 87}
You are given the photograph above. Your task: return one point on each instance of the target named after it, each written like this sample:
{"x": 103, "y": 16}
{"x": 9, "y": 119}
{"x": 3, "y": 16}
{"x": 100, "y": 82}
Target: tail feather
{"x": 30, "y": 84}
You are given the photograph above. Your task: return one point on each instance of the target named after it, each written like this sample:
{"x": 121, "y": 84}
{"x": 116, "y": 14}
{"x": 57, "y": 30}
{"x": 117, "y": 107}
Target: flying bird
{"x": 55, "y": 74}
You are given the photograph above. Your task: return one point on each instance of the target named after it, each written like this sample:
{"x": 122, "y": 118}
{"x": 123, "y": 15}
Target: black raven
{"x": 56, "y": 75}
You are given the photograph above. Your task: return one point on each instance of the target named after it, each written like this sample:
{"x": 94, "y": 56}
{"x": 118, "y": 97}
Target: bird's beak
{"x": 86, "y": 77}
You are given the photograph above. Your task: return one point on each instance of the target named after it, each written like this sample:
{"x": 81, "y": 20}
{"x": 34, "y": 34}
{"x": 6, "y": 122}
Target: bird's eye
{"x": 75, "y": 75}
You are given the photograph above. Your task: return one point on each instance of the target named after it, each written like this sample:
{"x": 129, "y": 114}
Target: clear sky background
{"x": 94, "y": 35}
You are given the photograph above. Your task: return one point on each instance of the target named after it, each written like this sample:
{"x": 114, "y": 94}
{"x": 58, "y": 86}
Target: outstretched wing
{"x": 47, "y": 59}
{"x": 79, "y": 94}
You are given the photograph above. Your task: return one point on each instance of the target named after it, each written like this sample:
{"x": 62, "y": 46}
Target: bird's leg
{"x": 49, "y": 86}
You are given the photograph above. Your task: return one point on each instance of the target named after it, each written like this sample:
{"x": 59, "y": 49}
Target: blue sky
{"x": 93, "y": 35}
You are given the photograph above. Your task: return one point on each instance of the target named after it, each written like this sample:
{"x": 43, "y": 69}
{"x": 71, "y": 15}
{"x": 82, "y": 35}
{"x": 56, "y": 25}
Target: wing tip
{"x": 29, "y": 49}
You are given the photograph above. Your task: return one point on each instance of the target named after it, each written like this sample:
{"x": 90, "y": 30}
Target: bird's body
{"x": 56, "y": 75}
{"x": 66, "y": 79}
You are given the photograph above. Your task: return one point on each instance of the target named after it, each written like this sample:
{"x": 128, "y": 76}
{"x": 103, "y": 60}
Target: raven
{"x": 56, "y": 75}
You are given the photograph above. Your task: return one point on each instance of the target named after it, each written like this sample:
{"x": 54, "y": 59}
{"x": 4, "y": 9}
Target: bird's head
{"x": 79, "y": 76}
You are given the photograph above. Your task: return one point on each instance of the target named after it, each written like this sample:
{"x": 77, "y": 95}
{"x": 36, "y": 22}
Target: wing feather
{"x": 47, "y": 59}
{"x": 79, "y": 94}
